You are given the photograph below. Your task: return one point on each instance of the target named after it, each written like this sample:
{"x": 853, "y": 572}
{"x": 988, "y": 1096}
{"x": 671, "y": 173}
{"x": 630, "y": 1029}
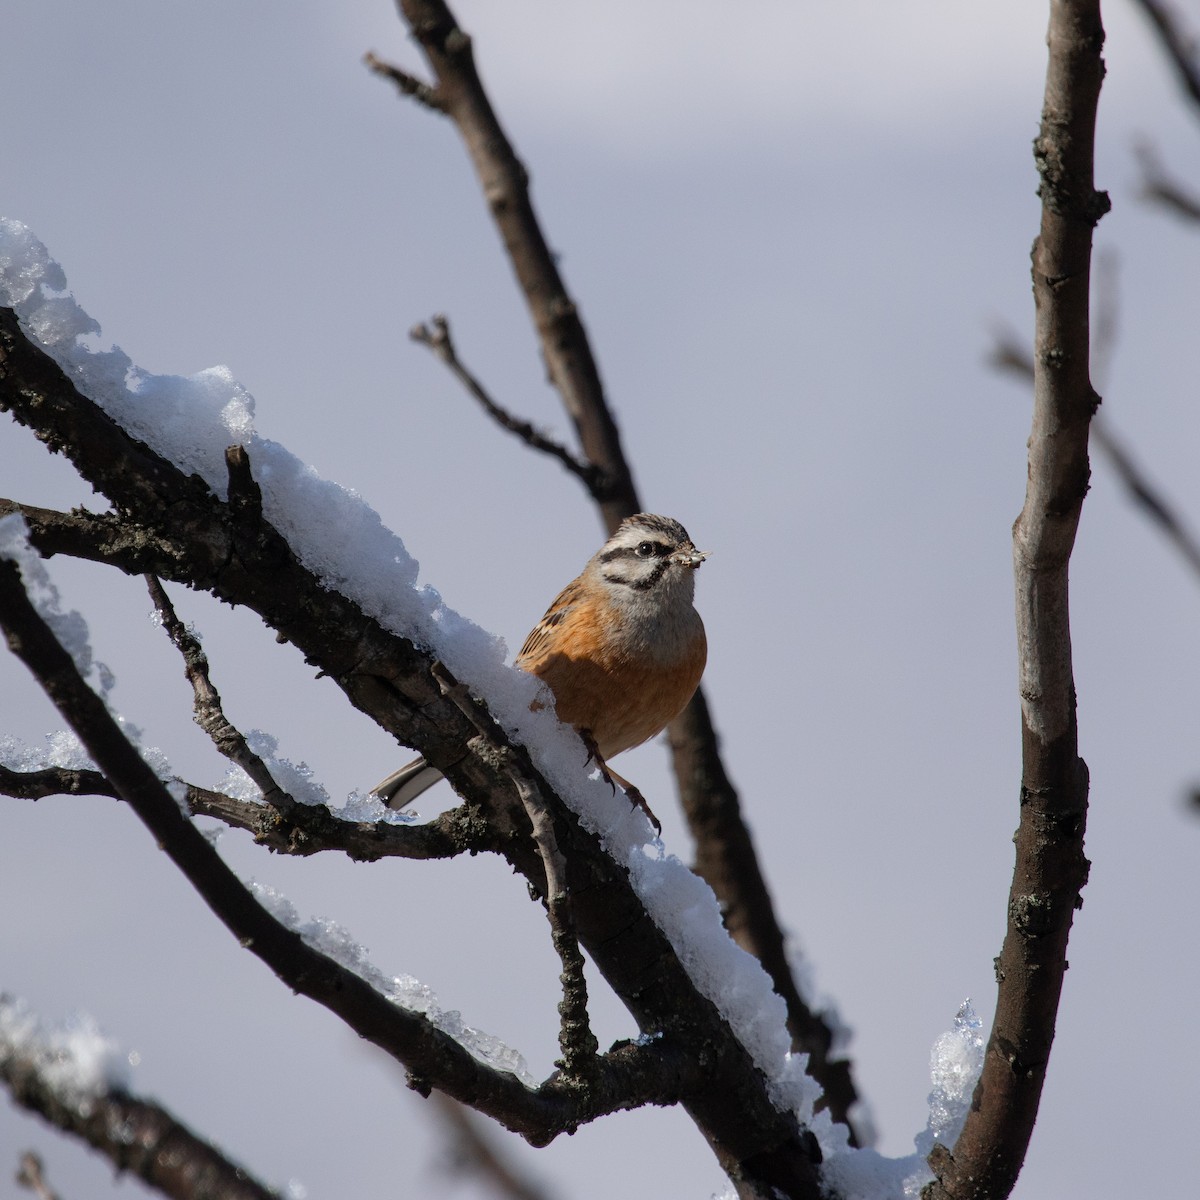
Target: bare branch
{"x": 409, "y": 85}
{"x": 575, "y": 1037}
{"x": 1009, "y": 355}
{"x": 209, "y": 714}
{"x": 1050, "y": 866}
{"x": 505, "y": 184}
{"x": 31, "y": 1175}
{"x": 53, "y": 781}
{"x": 1180, "y": 48}
{"x": 134, "y": 1134}
{"x": 1160, "y": 187}
{"x": 709, "y": 799}
{"x": 302, "y": 830}
{"x": 439, "y": 341}
{"x": 312, "y": 829}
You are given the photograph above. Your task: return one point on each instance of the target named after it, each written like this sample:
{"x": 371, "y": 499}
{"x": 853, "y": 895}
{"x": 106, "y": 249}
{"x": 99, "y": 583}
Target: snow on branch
{"x": 725, "y": 853}
{"x": 320, "y": 569}
{"x": 76, "y": 1079}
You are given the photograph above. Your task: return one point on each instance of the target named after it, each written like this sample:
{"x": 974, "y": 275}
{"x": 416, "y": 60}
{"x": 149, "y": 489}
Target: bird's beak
{"x": 690, "y": 557}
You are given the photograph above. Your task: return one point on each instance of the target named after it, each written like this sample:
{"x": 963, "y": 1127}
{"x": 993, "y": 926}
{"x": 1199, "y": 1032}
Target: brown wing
{"x": 541, "y": 636}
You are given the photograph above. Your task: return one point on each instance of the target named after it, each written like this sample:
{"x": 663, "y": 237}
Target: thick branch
{"x": 1050, "y": 866}
{"x": 136, "y": 1136}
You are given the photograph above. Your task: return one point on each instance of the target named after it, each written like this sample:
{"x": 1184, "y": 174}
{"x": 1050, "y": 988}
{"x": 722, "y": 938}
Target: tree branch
{"x": 134, "y": 1135}
{"x": 505, "y": 184}
{"x": 433, "y": 1058}
{"x": 1180, "y": 48}
{"x": 1009, "y": 355}
{"x": 710, "y": 802}
{"x": 1050, "y": 866}
{"x": 439, "y": 341}
{"x": 209, "y": 714}
{"x": 409, "y": 85}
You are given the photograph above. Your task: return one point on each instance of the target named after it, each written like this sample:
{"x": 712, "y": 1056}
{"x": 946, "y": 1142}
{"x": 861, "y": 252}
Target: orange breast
{"x": 623, "y": 703}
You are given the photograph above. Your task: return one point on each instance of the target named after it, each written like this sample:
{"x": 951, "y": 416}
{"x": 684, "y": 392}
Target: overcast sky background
{"x": 791, "y": 234}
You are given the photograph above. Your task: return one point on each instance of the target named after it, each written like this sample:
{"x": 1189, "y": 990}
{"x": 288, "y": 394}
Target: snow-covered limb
{"x": 725, "y": 853}
{"x": 321, "y": 961}
{"x": 76, "y": 1078}
{"x": 351, "y": 604}
{"x": 341, "y": 588}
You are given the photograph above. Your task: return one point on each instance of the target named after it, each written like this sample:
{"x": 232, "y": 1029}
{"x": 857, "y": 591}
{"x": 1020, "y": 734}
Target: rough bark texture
{"x": 1050, "y": 867}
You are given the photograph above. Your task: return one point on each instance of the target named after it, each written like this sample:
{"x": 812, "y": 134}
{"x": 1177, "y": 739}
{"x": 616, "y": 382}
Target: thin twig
{"x": 209, "y": 714}
{"x": 575, "y": 1037}
{"x": 1008, "y": 354}
{"x": 31, "y": 1175}
{"x": 480, "y": 1153}
{"x": 1180, "y": 48}
{"x": 408, "y": 84}
{"x": 1159, "y": 187}
{"x": 436, "y": 336}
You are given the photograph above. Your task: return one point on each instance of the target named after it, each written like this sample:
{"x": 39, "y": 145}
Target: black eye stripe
{"x": 642, "y": 582}
{"x": 661, "y": 550}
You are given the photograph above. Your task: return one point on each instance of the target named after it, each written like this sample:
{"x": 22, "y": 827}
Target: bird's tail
{"x": 402, "y": 787}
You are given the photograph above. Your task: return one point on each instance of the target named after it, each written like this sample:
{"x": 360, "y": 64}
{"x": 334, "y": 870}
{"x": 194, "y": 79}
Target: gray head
{"x": 649, "y": 552}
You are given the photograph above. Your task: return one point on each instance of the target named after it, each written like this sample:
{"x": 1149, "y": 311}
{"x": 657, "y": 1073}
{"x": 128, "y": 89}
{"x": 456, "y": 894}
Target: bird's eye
{"x": 645, "y": 550}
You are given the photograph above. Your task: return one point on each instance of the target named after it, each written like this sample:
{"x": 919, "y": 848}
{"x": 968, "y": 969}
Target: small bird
{"x": 622, "y": 648}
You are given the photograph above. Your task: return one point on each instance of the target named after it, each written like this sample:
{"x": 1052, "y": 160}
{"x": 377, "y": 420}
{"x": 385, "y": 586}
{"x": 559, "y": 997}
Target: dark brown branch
{"x": 436, "y": 336}
{"x": 134, "y": 1135}
{"x": 209, "y": 714}
{"x": 1179, "y": 47}
{"x": 1050, "y": 869}
{"x": 695, "y": 1059}
{"x": 573, "y": 372}
{"x": 726, "y": 859}
{"x": 505, "y": 183}
{"x": 302, "y": 831}
{"x": 1009, "y": 355}
{"x": 431, "y": 1056}
{"x": 310, "y": 829}
{"x": 575, "y": 1037}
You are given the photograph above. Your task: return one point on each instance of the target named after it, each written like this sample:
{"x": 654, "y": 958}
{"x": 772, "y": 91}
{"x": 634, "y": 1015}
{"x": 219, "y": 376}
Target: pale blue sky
{"x": 790, "y": 235}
